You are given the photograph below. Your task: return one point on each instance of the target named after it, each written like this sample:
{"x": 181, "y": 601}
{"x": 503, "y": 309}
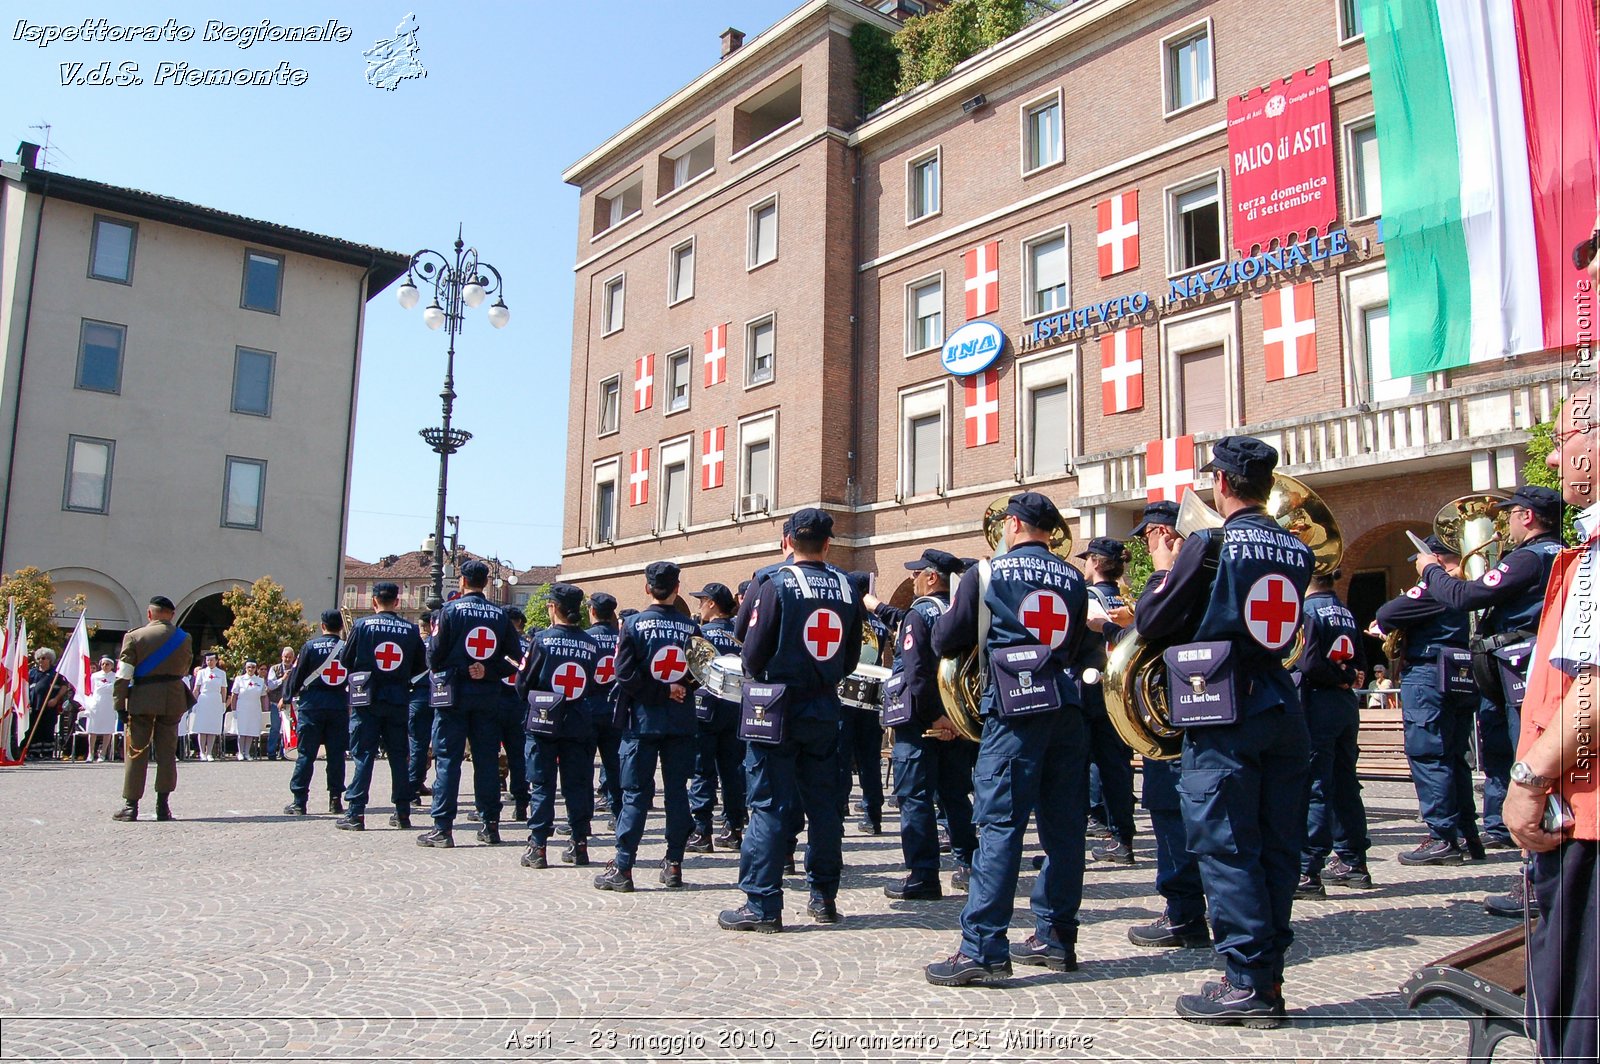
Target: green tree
{"x": 877, "y": 65}
{"x": 1139, "y": 568}
{"x": 264, "y": 621}
{"x": 1541, "y": 441}
{"x": 932, "y": 45}
{"x": 35, "y": 596}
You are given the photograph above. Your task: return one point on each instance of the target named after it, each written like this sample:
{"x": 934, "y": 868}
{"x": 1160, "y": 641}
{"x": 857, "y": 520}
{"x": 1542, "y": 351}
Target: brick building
{"x": 413, "y": 571}
{"x": 767, "y": 279}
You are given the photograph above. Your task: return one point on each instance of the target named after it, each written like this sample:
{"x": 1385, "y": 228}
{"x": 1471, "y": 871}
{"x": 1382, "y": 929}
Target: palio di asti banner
{"x": 1280, "y": 145}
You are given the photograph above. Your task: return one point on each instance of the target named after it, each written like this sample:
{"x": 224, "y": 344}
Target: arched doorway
{"x": 205, "y": 621}
{"x": 1377, "y": 567}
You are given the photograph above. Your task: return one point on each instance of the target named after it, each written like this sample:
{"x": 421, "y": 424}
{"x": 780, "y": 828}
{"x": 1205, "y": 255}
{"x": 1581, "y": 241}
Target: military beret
{"x": 161, "y": 602}
{"x": 934, "y": 558}
{"x": 1545, "y": 502}
{"x": 385, "y": 590}
{"x": 474, "y": 572}
{"x": 332, "y": 620}
{"x": 661, "y": 576}
{"x": 718, "y": 594}
{"x": 568, "y": 596}
{"x": 1104, "y": 546}
{"x": 1157, "y": 513}
{"x": 812, "y": 523}
{"x": 1034, "y": 509}
{"x": 1243, "y": 456}
{"x": 602, "y": 604}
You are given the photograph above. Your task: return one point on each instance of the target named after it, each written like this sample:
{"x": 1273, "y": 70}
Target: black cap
{"x": 333, "y": 620}
{"x": 474, "y": 572}
{"x": 1436, "y": 546}
{"x": 161, "y": 602}
{"x": 516, "y": 615}
{"x": 812, "y": 523}
{"x": 1545, "y": 502}
{"x": 603, "y": 605}
{"x": 1157, "y": 513}
{"x": 788, "y": 525}
{"x": 1034, "y": 509}
{"x": 661, "y": 576}
{"x": 630, "y": 612}
{"x": 744, "y": 585}
{"x": 860, "y": 582}
{"x": 719, "y": 594}
{"x": 1243, "y": 456}
{"x": 1104, "y": 546}
{"x": 385, "y": 590}
{"x": 934, "y": 558}
{"x": 568, "y": 596}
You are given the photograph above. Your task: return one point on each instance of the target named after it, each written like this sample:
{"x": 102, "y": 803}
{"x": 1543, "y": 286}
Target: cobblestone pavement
{"x": 237, "y": 933}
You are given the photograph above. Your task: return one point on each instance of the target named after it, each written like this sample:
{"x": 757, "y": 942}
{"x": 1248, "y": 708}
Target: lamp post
{"x": 459, "y": 282}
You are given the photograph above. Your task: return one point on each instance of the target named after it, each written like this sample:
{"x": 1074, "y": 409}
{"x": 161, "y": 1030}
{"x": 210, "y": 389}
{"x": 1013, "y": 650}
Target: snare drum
{"x": 725, "y": 678}
{"x": 864, "y": 687}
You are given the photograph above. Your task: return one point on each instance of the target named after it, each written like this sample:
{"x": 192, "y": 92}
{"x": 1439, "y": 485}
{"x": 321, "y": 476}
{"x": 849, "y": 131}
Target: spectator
{"x": 1382, "y": 694}
{"x": 276, "y": 696}
{"x": 248, "y": 700}
{"x": 99, "y": 716}
{"x": 46, "y": 692}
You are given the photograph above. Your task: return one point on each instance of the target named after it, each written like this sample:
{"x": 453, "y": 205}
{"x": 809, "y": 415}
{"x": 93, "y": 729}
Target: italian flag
{"x": 1487, "y": 139}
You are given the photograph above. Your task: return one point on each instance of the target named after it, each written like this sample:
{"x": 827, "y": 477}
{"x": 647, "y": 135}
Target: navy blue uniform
{"x": 419, "y": 723}
{"x": 390, "y": 648}
{"x": 561, "y": 659}
{"x": 741, "y": 620}
{"x": 719, "y": 752}
{"x": 472, "y": 631}
{"x": 1243, "y": 785}
{"x": 807, "y": 637}
{"x": 601, "y": 700}
{"x": 1330, "y": 668}
{"x": 1108, "y": 754}
{"x": 1511, "y": 594}
{"x": 323, "y": 714}
{"x": 925, "y": 768}
{"x": 510, "y": 733}
{"x": 1438, "y": 724}
{"x": 1025, "y": 763}
{"x": 652, "y": 657}
{"x": 861, "y": 750}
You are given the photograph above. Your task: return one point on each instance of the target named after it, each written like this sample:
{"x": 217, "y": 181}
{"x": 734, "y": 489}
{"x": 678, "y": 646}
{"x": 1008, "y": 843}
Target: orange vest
{"x": 1547, "y": 688}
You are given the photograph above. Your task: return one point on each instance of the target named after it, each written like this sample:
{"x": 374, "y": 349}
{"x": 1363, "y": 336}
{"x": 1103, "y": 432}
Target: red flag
{"x": 77, "y": 667}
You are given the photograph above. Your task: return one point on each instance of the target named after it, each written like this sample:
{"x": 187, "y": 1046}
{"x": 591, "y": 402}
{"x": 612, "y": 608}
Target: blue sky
{"x": 514, "y": 93}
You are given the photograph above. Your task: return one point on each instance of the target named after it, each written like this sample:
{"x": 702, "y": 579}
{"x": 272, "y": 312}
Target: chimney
{"x": 28, "y": 153}
{"x": 732, "y": 41}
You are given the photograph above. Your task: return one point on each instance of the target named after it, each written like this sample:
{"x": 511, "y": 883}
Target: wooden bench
{"x": 1487, "y": 978}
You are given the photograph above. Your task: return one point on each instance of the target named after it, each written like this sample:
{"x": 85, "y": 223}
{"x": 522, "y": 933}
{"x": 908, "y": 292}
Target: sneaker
{"x": 823, "y": 910}
{"x": 351, "y": 822}
{"x": 563, "y": 829}
{"x": 1114, "y": 851}
{"x": 1310, "y": 887}
{"x": 1432, "y": 851}
{"x": 906, "y": 890}
{"x": 614, "y": 878}
{"x": 1098, "y": 829}
{"x": 1498, "y": 840}
{"x": 958, "y": 969}
{"x": 1513, "y": 904}
{"x": 294, "y": 809}
{"x": 789, "y": 868}
{"x": 745, "y": 918}
{"x": 400, "y": 820}
{"x": 475, "y": 817}
{"x": 960, "y": 878}
{"x": 671, "y": 875}
{"x": 1038, "y": 862}
{"x": 441, "y": 838}
{"x": 128, "y": 813}
{"x": 730, "y": 839}
{"x": 424, "y": 791}
{"x": 535, "y": 857}
{"x": 335, "y": 806}
{"x": 698, "y": 842}
{"x": 1163, "y": 933}
{"x": 576, "y": 853}
{"x": 870, "y": 826}
{"x": 1044, "y": 954}
{"x": 489, "y": 834}
{"x": 1347, "y": 875}
{"x": 944, "y": 839}
{"x": 1221, "y": 1003}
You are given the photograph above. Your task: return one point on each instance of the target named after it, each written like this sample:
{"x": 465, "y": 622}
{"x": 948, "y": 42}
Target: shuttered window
{"x": 1050, "y": 414}
{"x": 1205, "y": 390}
{"x": 927, "y": 438}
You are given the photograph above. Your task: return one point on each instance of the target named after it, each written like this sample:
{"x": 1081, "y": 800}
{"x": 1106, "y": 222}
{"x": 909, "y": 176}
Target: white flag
{"x": 19, "y": 678}
{"x": 77, "y": 667}
{"x": 6, "y": 639}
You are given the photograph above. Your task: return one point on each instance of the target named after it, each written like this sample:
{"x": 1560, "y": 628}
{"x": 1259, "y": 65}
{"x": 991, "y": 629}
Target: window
{"x": 263, "y": 281}
{"x": 1204, "y": 400}
{"x": 609, "y": 416}
{"x": 111, "y": 250}
{"x": 680, "y": 272}
{"x": 1188, "y": 68}
{"x": 1350, "y": 24}
{"x": 88, "y": 487}
{"x": 1045, "y": 264}
{"x": 922, "y": 441}
{"x": 1195, "y": 214}
{"x": 924, "y": 314}
{"x": 1046, "y": 413}
{"x": 100, "y": 347}
{"x": 252, "y": 381}
{"x": 678, "y": 381}
{"x": 922, "y": 187}
{"x": 757, "y": 464}
{"x": 242, "y": 484}
{"x": 612, "y": 299}
{"x": 605, "y": 502}
{"x": 763, "y": 233}
{"x": 1366, "y": 295}
{"x": 1199, "y": 371}
{"x": 1366, "y": 190}
{"x": 772, "y": 109}
{"x": 674, "y": 486}
{"x": 1041, "y": 134}
{"x": 694, "y": 158}
{"x": 760, "y": 345}
{"x": 619, "y": 203}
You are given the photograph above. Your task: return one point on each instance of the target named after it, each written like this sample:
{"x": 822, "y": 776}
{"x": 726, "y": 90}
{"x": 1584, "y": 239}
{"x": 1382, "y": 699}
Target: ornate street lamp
{"x": 458, "y": 283}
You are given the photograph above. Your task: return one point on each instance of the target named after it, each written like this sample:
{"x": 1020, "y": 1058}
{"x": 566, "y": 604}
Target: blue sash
{"x": 163, "y": 652}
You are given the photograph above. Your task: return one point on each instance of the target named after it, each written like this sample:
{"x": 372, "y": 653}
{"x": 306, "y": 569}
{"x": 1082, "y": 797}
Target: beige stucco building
{"x": 177, "y": 396}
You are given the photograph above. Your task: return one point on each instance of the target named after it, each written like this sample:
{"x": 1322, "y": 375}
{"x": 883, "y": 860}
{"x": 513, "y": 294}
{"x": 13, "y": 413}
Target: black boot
{"x": 576, "y": 853}
{"x": 163, "y": 810}
{"x": 335, "y": 805}
{"x": 294, "y": 809}
{"x": 698, "y": 842}
{"x": 128, "y": 813}
{"x": 400, "y": 818}
{"x": 490, "y": 832}
{"x": 535, "y": 857}
{"x": 351, "y": 821}
{"x": 522, "y": 810}
{"x": 671, "y": 875}
{"x": 440, "y": 838}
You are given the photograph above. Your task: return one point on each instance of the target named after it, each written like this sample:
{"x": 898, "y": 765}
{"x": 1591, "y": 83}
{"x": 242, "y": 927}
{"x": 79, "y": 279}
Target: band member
{"x": 1103, "y": 564}
{"x": 1243, "y": 783}
{"x": 384, "y": 651}
{"x": 741, "y": 623}
{"x": 601, "y": 699}
{"x": 719, "y": 754}
{"x": 1033, "y": 750}
{"x": 322, "y": 708}
{"x": 861, "y": 737}
{"x": 926, "y": 765}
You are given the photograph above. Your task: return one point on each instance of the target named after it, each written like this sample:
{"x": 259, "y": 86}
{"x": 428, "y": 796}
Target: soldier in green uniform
{"x": 149, "y": 694}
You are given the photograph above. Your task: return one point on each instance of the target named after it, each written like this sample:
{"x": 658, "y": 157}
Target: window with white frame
{"x": 1367, "y": 321}
{"x": 111, "y": 250}
{"x": 1041, "y": 133}
{"x": 763, "y": 233}
{"x": 88, "y": 488}
{"x": 758, "y": 464}
{"x": 1187, "y": 66}
{"x": 608, "y": 418}
{"x": 1194, "y": 217}
{"x": 694, "y": 158}
{"x": 620, "y": 202}
{"x": 613, "y": 297}
{"x": 674, "y": 486}
{"x": 924, "y": 413}
{"x": 1044, "y": 261}
{"x": 924, "y": 314}
{"x": 680, "y": 272}
{"x": 1046, "y": 413}
{"x": 1199, "y": 371}
{"x": 1350, "y": 22}
{"x": 1361, "y": 153}
{"x": 244, "y": 482}
{"x": 922, "y": 186}
{"x": 678, "y": 381}
{"x": 605, "y": 501}
{"x": 760, "y": 350}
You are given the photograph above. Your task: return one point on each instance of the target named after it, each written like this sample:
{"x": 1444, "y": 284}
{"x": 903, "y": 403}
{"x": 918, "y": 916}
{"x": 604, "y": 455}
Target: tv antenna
{"x": 44, "y": 152}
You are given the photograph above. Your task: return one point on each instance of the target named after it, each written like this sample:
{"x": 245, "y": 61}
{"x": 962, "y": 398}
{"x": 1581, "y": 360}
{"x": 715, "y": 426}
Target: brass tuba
{"x": 1471, "y": 527}
{"x": 1136, "y": 676}
{"x": 960, "y": 679}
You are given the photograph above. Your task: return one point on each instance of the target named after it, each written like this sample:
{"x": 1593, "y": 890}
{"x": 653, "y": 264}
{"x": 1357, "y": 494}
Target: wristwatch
{"x": 1521, "y": 773}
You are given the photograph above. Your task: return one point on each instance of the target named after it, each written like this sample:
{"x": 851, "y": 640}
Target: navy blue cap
{"x": 1157, "y": 513}
{"x": 474, "y": 572}
{"x": 788, "y": 525}
{"x": 968, "y": 563}
{"x": 744, "y": 585}
{"x": 568, "y": 596}
{"x": 812, "y": 523}
{"x": 661, "y": 576}
{"x": 718, "y": 594}
{"x": 630, "y": 612}
{"x": 516, "y": 615}
{"x": 1546, "y": 502}
{"x": 1034, "y": 509}
{"x": 1243, "y": 456}
{"x": 860, "y": 582}
{"x": 1436, "y": 546}
{"x": 333, "y": 620}
{"x": 934, "y": 558}
{"x": 1104, "y": 546}
{"x": 604, "y": 605}
{"x": 386, "y": 590}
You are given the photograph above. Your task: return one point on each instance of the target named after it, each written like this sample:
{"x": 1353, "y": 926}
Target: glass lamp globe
{"x": 473, "y": 294}
{"x": 407, "y": 295}
{"x": 499, "y": 314}
{"x": 433, "y": 317}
